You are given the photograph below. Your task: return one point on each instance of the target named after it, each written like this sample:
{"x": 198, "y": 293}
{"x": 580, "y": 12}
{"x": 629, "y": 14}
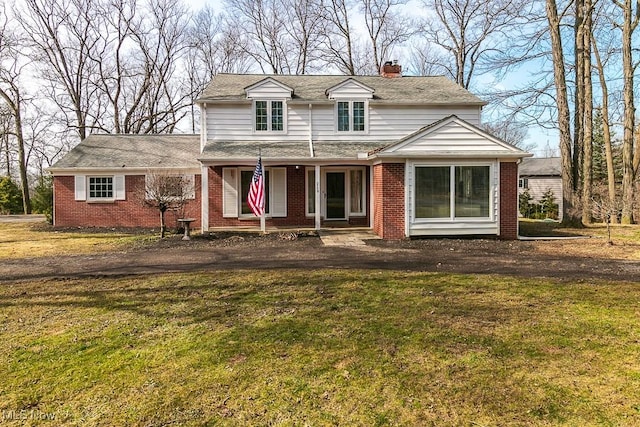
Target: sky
{"x": 544, "y": 141}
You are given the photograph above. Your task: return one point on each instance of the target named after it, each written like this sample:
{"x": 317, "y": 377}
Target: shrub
{"x": 42, "y": 199}
{"x": 10, "y": 197}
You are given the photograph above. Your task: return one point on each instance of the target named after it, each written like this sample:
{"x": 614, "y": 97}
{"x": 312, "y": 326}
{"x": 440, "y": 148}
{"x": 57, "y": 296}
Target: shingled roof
{"x": 133, "y": 152}
{"x": 433, "y": 90}
{"x": 541, "y": 166}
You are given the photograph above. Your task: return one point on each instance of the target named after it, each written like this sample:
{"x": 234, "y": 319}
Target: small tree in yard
{"x": 165, "y": 192}
{"x": 604, "y": 208}
{"x": 525, "y": 204}
{"x": 548, "y": 205}
{"x": 42, "y": 200}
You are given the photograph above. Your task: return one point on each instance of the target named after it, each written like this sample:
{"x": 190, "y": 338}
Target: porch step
{"x": 346, "y": 237}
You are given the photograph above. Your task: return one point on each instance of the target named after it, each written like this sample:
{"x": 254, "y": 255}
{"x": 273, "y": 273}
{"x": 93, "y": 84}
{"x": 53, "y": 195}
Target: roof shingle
{"x": 434, "y": 90}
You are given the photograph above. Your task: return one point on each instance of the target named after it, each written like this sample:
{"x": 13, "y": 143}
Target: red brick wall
{"x": 295, "y": 203}
{"x": 130, "y": 212}
{"x": 389, "y": 200}
{"x": 508, "y": 200}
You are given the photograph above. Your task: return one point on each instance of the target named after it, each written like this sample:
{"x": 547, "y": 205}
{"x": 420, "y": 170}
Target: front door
{"x": 336, "y": 195}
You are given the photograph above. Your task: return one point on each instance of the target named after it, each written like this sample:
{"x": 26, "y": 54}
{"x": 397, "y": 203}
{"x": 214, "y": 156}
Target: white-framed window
{"x": 523, "y": 183}
{"x": 235, "y": 188}
{"x": 452, "y": 192}
{"x": 356, "y": 188}
{"x": 269, "y": 116}
{"x": 351, "y": 116}
{"x": 101, "y": 187}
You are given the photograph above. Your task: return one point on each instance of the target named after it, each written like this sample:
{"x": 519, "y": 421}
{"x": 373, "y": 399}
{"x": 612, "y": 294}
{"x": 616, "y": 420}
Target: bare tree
{"x": 510, "y": 131}
{"x": 563, "y": 114}
{"x": 167, "y": 192}
{"x": 630, "y": 18}
{"x": 606, "y": 128}
{"x": 64, "y": 36}
{"x": 340, "y": 44}
{"x": 11, "y": 68}
{"x": 471, "y": 32}
{"x": 387, "y": 28}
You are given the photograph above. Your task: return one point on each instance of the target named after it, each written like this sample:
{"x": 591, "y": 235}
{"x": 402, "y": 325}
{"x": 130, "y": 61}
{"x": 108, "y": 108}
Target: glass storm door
{"x": 336, "y": 195}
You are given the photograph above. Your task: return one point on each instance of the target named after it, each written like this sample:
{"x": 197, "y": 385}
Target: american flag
{"x": 255, "y": 199}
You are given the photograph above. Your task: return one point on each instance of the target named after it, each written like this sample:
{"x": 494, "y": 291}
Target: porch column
{"x": 317, "y": 203}
{"x": 204, "y": 199}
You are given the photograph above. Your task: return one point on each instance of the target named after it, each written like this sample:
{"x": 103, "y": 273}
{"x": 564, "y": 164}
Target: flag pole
{"x": 263, "y": 225}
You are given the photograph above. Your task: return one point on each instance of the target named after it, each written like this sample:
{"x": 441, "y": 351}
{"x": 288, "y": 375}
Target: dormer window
{"x": 351, "y": 116}
{"x": 269, "y": 116}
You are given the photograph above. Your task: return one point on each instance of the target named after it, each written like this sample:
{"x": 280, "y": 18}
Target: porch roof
{"x": 221, "y": 151}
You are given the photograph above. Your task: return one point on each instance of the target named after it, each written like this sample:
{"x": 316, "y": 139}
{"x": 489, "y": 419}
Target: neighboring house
{"x": 539, "y": 175}
{"x": 404, "y": 156}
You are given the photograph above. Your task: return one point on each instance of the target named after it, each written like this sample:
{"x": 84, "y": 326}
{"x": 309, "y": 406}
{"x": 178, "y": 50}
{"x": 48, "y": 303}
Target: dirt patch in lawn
{"x": 571, "y": 260}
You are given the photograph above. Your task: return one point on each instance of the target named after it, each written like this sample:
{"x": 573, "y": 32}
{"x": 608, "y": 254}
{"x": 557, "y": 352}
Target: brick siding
{"x": 296, "y": 194}
{"x": 129, "y": 213}
{"x": 389, "y": 200}
{"x": 508, "y": 201}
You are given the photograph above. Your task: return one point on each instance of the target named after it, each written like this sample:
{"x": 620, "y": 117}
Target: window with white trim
{"x": 235, "y": 188}
{"x": 523, "y": 183}
{"x": 101, "y": 188}
{"x": 351, "y": 116}
{"x": 452, "y": 192}
{"x": 269, "y": 116}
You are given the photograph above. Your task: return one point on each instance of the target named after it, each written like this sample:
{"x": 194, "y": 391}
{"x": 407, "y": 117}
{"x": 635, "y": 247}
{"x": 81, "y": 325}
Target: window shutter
{"x": 81, "y": 187}
{"x": 118, "y": 187}
{"x": 230, "y": 193}
{"x": 278, "y": 178}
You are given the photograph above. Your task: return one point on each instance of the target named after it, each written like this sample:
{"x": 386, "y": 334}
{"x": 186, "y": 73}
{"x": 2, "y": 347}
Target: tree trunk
{"x": 628, "y": 26}
{"x": 564, "y": 119}
{"x": 587, "y": 145}
{"x": 608, "y": 149}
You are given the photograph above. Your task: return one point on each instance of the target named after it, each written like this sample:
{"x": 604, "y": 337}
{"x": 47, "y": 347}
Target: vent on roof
{"x": 391, "y": 69}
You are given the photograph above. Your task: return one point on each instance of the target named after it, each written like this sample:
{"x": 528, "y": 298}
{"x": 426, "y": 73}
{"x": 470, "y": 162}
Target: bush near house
{"x": 10, "y": 197}
{"x": 42, "y": 199}
{"x": 547, "y": 208}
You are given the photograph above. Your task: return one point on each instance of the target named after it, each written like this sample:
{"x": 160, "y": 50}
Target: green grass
{"x": 343, "y": 347}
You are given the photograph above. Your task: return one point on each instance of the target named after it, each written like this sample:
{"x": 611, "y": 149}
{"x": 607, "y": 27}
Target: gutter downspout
{"x": 204, "y": 174}
{"x": 317, "y": 171}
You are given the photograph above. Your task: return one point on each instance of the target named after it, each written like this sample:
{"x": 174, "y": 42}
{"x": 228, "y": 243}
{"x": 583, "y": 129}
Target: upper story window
{"x": 269, "y": 116}
{"x": 101, "y": 187}
{"x": 351, "y": 116}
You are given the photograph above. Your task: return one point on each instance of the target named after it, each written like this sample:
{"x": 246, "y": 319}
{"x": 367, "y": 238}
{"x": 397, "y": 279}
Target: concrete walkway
{"x": 22, "y": 218}
{"x": 347, "y": 236}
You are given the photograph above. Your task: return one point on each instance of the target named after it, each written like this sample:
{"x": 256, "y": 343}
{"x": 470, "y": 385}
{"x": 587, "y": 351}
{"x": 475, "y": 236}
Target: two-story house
{"x": 404, "y": 156}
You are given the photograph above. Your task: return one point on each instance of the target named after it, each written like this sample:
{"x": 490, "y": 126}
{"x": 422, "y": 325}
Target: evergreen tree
{"x": 42, "y": 199}
{"x": 10, "y": 197}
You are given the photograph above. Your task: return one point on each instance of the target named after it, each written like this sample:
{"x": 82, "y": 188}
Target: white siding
{"x": 350, "y": 90}
{"x": 268, "y": 90}
{"x": 539, "y": 185}
{"x": 450, "y": 138}
{"x": 234, "y": 122}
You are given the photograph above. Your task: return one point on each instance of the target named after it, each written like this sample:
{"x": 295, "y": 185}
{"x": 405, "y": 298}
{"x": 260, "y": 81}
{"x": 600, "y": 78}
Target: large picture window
{"x": 269, "y": 116}
{"x": 452, "y": 192}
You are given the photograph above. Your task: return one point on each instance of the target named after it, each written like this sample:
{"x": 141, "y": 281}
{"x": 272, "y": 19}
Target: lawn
{"x": 341, "y": 347}
{"x": 18, "y": 240}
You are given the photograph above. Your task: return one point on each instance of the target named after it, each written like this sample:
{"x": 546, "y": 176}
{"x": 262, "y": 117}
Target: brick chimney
{"x": 391, "y": 69}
